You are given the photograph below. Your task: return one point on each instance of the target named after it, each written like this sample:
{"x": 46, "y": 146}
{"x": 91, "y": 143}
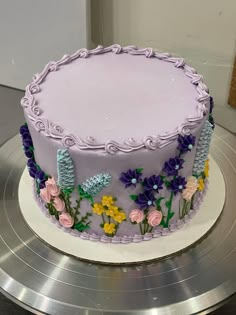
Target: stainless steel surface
{"x": 48, "y": 282}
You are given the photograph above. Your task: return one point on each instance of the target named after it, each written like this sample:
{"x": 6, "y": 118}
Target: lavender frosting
{"x": 121, "y": 96}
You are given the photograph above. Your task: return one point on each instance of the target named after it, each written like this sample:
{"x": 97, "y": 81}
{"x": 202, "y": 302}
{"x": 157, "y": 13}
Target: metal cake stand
{"x": 43, "y": 280}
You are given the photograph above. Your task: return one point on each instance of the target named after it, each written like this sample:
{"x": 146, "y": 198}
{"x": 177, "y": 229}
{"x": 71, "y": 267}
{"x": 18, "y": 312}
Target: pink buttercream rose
{"x": 66, "y": 220}
{"x": 191, "y": 188}
{"x": 136, "y": 215}
{"x": 52, "y": 187}
{"x": 59, "y": 204}
{"x": 45, "y": 195}
{"x": 154, "y": 217}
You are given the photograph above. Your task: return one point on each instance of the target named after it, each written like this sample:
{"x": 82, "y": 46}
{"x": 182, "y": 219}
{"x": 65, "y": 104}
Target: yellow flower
{"x": 201, "y": 184}
{"x": 107, "y": 201}
{"x": 206, "y": 170}
{"x": 119, "y": 217}
{"x": 112, "y": 211}
{"x": 109, "y": 228}
{"x": 98, "y": 208}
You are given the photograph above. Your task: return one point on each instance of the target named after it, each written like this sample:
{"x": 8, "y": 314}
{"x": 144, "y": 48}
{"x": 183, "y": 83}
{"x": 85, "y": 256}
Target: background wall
{"x": 34, "y": 32}
{"x": 202, "y": 31}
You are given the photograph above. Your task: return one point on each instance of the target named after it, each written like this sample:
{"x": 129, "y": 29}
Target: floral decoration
{"x": 65, "y": 170}
{"x": 187, "y": 194}
{"x": 95, "y": 184}
{"x": 131, "y": 177}
{"x": 33, "y": 168}
{"x": 202, "y": 148}
{"x": 186, "y": 143}
{"x": 201, "y": 184}
{"x": 112, "y": 216}
{"x": 172, "y": 166}
{"x": 149, "y": 213}
{"x": 153, "y": 183}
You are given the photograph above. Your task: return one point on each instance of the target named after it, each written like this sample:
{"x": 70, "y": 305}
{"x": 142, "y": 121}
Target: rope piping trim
{"x": 153, "y": 142}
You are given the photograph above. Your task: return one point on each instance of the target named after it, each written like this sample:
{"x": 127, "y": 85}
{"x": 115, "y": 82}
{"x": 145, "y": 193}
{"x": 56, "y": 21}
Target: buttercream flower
{"x": 119, "y": 217}
{"x": 153, "y": 183}
{"x": 59, "y": 204}
{"x": 112, "y": 211}
{"x": 191, "y": 187}
{"x": 206, "y": 170}
{"x": 66, "y": 220}
{"x": 172, "y": 166}
{"x": 98, "y": 208}
{"x": 45, "y": 195}
{"x": 107, "y": 201}
{"x": 24, "y": 130}
{"x": 29, "y": 153}
{"x": 145, "y": 200}
{"x": 201, "y": 184}
{"x": 154, "y": 217}
{"x": 52, "y": 187}
{"x": 136, "y": 216}
{"x": 109, "y": 228}
{"x": 177, "y": 184}
{"x": 185, "y": 143}
{"x": 131, "y": 177}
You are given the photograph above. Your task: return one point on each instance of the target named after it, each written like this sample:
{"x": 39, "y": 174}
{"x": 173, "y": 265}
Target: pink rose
{"x": 45, "y": 195}
{"x": 59, "y": 204}
{"x": 136, "y": 215}
{"x": 191, "y": 187}
{"x": 154, "y": 217}
{"x": 52, "y": 187}
{"x": 66, "y": 220}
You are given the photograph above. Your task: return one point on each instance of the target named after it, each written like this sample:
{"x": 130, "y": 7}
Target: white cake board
{"x": 157, "y": 248}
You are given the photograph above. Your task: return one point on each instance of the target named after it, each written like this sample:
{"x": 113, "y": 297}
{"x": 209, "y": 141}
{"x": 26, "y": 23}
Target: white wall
{"x": 202, "y": 31}
{"x": 34, "y": 32}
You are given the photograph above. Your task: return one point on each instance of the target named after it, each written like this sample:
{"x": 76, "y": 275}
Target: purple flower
{"x": 153, "y": 183}
{"x": 24, "y": 129}
{"x": 177, "y": 184}
{"x": 27, "y": 142}
{"x": 42, "y": 184}
{"x": 145, "y": 200}
{"x": 31, "y": 163}
{"x": 172, "y": 166}
{"x": 40, "y": 175}
{"x": 29, "y": 153}
{"x": 211, "y": 104}
{"x": 131, "y": 177}
{"x": 32, "y": 172}
{"x": 186, "y": 143}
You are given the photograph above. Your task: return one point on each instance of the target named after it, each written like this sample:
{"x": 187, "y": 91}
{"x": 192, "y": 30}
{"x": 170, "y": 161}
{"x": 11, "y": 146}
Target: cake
{"x": 117, "y": 142}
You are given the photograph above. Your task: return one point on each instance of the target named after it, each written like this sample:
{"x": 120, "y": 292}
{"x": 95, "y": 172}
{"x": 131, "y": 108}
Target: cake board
{"x": 192, "y": 230}
{"x": 45, "y": 281}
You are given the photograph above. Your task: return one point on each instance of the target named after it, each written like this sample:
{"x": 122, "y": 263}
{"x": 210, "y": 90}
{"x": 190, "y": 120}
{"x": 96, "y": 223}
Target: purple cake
{"x": 117, "y": 142}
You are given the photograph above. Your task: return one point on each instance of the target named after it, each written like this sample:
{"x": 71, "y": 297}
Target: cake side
{"x": 118, "y": 190}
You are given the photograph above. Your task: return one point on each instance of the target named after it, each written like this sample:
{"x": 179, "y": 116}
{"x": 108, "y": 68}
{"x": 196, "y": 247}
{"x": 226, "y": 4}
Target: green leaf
{"x": 67, "y": 191}
{"x": 171, "y": 215}
{"x": 139, "y": 170}
{"x": 167, "y": 204}
{"x": 158, "y": 202}
{"x": 167, "y": 183}
{"x": 163, "y": 221}
{"x": 102, "y": 225}
{"x": 85, "y": 195}
{"x": 115, "y": 199}
{"x": 81, "y": 227}
{"x": 133, "y": 197}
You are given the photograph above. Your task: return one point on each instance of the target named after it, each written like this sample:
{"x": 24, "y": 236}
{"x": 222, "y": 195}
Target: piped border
{"x": 52, "y": 130}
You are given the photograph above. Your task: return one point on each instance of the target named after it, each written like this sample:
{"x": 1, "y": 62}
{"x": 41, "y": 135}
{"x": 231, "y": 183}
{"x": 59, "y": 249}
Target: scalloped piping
{"x": 153, "y": 142}
{"x": 125, "y": 239}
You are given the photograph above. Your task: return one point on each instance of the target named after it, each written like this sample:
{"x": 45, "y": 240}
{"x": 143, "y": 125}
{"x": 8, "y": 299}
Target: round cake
{"x": 117, "y": 142}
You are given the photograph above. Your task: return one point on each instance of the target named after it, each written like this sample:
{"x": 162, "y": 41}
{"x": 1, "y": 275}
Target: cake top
{"x": 116, "y": 99}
